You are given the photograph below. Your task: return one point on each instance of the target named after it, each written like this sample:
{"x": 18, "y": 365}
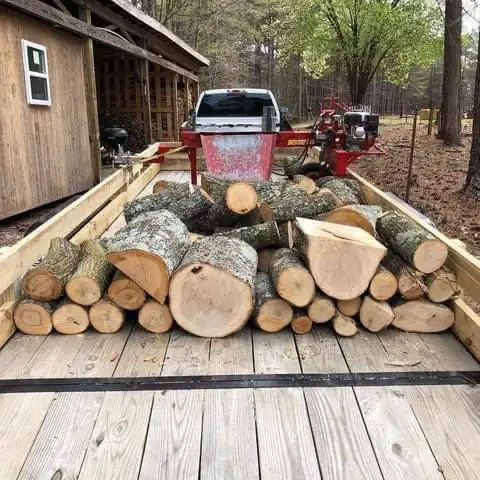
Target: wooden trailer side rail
{"x": 465, "y": 265}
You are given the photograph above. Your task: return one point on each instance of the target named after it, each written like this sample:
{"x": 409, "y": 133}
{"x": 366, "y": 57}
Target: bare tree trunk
{"x": 258, "y": 65}
{"x": 452, "y": 65}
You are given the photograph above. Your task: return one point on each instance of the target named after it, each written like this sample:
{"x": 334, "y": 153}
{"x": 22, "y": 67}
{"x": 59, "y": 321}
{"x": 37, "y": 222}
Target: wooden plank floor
{"x": 315, "y": 433}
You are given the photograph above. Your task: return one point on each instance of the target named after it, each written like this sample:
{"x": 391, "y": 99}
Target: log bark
{"x": 271, "y": 313}
{"x": 347, "y": 191}
{"x": 384, "y": 284}
{"x": 34, "y": 317}
{"x": 362, "y": 216}
{"x": 46, "y": 280}
{"x": 211, "y": 293}
{"x": 344, "y": 326}
{"x": 305, "y": 183}
{"x": 155, "y": 317}
{"x": 301, "y": 323}
{"x": 125, "y": 293}
{"x": 441, "y": 285}
{"x": 70, "y": 318}
{"x": 92, "y": 275}
{"x": 375, "y": 315}
{"x": 422, "y": 316}
{"x": 290, "y": 278}
{"x": 106, "y": 317}
{"x": 149, "y": 250}
{"x": 322, "y": 309}
{"x": 187, "y": 202}
{"x": 162, "y": 185}
{"x": 342, "y": 259}
{"x": 410, "y": 282}
{"x": 413, "y": 243}
{"x": 286, "y": 231}
{"x": 349, "y": 308}
{"x": 258, "y": 237}
{"x": 264, "y": 256}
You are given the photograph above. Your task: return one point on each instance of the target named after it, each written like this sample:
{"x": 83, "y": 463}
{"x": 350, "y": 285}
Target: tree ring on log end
{"x": 430, "y": 255}
{"x": 155, "y": 317}
{"x": 33, "y": 319}
{"x": 209, "y": 303}
{"x": 70, "y": 319}
{"x": 241, "y": 198}
{"x": 296, "y": 285}
{"x": 274, "y": 315}
{"x": 41, "y": 285}
{"x": 106, "y": 317}
{"x": 149, "y": 271}
{"x": 83, "y": 290}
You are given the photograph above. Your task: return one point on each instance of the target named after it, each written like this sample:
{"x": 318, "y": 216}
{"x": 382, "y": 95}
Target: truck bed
{"x": 199, "y": 431}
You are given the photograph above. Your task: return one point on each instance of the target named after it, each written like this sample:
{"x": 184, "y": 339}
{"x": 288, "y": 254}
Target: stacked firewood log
{"x": 213, "y": 257}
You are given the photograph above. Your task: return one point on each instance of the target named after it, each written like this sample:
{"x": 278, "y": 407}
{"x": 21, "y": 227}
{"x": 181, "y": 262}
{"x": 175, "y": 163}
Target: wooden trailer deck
{"x": 352, "y": 433}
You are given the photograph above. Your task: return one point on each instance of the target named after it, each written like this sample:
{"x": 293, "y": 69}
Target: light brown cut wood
{"x": 441, "y": 285}
{"x": 410, "y": 282}
{"x": 342, "y": 259}
{"x": 384, "y": 284}
{"x": 322, "y": 309}
{"x": 349, "y": 307}
{"x": 305, "y": 183}
{"x": 155, "y": 317}
{"x": 344, "y": 326}
{"x": 7, "y": 325}
{"x": 361, "y": 216}
{"x": 125, "y": 292}
{"x": 422, "y": 316}
{"x": 106, "y": 317}
{"x": 375, "y": 315}
{"x": 34, "y": 317}
{"x": 241, "y": 198}
{"x": 264, "y": 256}
{"x": 70, "y": 318}
{"x": 301, "y": 323}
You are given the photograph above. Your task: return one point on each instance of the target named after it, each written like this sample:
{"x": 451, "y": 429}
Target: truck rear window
{"x": 234, "y": 105}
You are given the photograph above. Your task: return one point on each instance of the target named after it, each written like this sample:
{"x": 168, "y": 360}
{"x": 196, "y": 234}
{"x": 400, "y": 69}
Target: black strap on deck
{"x": 373, "y": 379}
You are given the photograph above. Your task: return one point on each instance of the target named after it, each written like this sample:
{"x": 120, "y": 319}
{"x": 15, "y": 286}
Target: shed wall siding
{"x": 44, "y": 151}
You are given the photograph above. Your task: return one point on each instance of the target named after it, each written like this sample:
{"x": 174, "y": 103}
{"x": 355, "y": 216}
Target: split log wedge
{"x": 33, "y": 317}
{"x": 441, "y": 285}
{"x": 344, "y": 326}
{"x": 258, "y": 236}
{"x": 322, "y": 309}
{"x": 271, "y": 313}
{"x": 374, "y": 315}
{"x": 362, "y": 216}
{"x": 155, "y": 317}
{"x": 413, "y": 243}
{"x": 410, "y": 282}
{"x": 422, "y": 316}
{"x": 92, "y": 275}
{"x": 46, "y": 280}
{"x": 125, "y": 292}
{"x": 106, "y": 317}
{"x": 384, "y": 284}
{"x": 349, "y": 307}
{"x": 211, "y": 292}
{"x": 70, "y": 318}
{"x": 149, "y": 250}
{"x": 290, "y": 278}
{"x": 301, "y": 322}
{"x": 342, "y": 259}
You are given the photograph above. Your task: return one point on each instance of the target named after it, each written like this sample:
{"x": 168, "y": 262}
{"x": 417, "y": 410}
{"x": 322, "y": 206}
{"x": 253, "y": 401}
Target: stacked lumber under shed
{"x": 211, "y": 258}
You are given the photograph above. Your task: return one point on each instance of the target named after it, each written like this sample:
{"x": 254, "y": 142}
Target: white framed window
{"x": 35, "y": 65}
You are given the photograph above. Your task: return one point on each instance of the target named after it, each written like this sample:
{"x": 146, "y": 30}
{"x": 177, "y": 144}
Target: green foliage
{"x": 364, "y": 35}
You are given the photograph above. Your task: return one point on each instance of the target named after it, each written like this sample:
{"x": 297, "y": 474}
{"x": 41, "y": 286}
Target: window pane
{"x": 36, "y": 60}
{"x": 39, "y": 88}
{"x": 234, "y": 104}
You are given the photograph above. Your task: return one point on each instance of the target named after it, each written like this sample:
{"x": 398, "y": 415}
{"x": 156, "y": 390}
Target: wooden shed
{"x": 66, "y": 65}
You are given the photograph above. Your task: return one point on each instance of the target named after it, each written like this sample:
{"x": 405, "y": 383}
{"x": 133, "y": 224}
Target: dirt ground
{"x": 438, "y": 175}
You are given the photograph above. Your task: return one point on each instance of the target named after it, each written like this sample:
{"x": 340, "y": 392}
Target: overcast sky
{"x": 471, "y": 10}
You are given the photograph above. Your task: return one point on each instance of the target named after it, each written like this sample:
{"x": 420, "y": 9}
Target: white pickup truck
{"x": 234, "y": 110}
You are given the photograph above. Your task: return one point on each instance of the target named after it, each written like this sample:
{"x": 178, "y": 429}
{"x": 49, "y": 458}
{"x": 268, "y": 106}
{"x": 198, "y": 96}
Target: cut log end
{"x": 375, "y": 315}
{"x": 296, "y": 286}
{"x": 155, "y": 317}
{"x": 384, "y": 285}
{"x": 430, "y": 256}
{"x": 201, "y": 300}
{"x": 349, "y": 308}
{"x": 106, "y": 317}
{"x": 322, "y": 309}
{"x": 344, "y": 326}
{"x": 305, "y": 183}
{"x": 83, "y": 290}
{"x": 149, "y": 271}
{"x": 41, "y": 285}
{"x": 126, "y": 293}
{"x": 241, "y": 198}
{"x": 70, "y": 319}
{"x": 441, "y": 286}
{"x": 33, "y": 318}
{"x": 301, "y": 324}
{"x": 274, "y": 315}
